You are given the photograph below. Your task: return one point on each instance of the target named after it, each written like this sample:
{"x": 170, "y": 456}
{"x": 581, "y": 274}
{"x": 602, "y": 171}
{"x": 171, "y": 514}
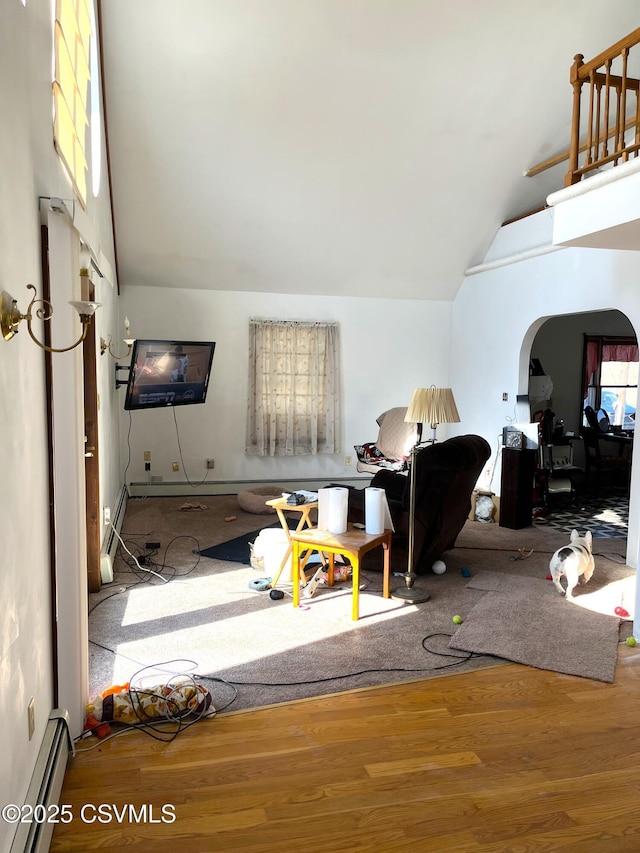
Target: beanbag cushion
{"x": 253, "y": 500}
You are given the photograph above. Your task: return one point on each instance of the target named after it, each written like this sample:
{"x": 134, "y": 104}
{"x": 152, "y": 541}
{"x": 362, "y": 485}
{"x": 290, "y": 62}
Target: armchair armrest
{"x": 396, "y": 485}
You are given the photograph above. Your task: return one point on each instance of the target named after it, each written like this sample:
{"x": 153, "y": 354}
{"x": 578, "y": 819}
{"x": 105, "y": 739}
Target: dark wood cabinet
{"x": 516, "y": 487}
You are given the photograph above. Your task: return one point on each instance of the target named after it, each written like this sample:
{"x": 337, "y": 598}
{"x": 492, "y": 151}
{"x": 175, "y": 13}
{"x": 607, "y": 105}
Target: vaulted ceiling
{"x": 335, "y": 147}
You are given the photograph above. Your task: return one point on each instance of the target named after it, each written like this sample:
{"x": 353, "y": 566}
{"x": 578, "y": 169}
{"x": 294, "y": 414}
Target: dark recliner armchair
{"x": 446, "y": 474}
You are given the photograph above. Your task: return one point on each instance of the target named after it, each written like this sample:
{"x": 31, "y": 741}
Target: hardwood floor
{"x": 505, "y": 759}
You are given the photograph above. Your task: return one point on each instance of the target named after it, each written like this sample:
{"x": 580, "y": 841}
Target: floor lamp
{"x": 428, "y": 406}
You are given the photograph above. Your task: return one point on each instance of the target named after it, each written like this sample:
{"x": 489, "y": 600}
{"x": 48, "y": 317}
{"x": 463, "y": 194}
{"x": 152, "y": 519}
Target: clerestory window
{"x": 72, "y": 36}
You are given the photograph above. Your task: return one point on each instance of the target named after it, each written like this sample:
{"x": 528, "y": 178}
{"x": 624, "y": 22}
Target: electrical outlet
{"x": 147, "y": 466}
{"x": 505, "y": 397}
{"x": 31, "y": 717}
{"x": 147, "y": 456}
{"x": 347, "y": 460}
{"x": 210, "y": 463}
{"x": 106, "y": 514}
{"x": 175, "y": 466}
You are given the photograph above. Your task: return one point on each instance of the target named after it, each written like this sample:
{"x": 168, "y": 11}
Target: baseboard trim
{"x": 169, "y": 488}
{"x": 111, "y": 541}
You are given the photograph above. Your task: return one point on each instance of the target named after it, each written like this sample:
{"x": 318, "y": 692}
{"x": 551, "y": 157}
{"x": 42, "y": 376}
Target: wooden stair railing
{"x": 613, "y": 111}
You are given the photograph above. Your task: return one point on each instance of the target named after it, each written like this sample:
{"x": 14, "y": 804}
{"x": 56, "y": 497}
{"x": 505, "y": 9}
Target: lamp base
{"x": 410, "y": 596}
{"x": 410, "y": 593}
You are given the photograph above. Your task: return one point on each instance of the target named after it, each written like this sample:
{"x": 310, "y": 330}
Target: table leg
{"x": 304, "y": 521}
{"x": 386, "y": 592}
{"x": 355, "y": 575}
{"x": 285, "y": 527}
{"x": 295, "y": 573}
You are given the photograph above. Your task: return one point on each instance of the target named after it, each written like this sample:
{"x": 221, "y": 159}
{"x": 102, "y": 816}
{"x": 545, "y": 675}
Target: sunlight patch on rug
{"x": 213, "y": 619}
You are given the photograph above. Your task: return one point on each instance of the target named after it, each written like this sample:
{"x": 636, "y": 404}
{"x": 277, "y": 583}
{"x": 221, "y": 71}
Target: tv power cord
{"x": 135, "y": 559}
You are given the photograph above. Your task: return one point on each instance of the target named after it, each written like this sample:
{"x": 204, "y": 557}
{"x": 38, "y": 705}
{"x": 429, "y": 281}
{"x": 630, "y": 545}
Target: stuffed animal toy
{"x": 172, "y": 701}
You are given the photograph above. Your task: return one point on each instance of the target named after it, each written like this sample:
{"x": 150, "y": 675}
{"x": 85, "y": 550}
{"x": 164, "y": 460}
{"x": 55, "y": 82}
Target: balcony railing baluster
{"x": 598, "y": 73}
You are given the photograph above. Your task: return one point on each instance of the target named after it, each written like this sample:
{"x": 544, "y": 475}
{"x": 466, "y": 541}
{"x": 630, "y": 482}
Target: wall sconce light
{"x": 11, "y": 317}
{"x": 105, "y": 346}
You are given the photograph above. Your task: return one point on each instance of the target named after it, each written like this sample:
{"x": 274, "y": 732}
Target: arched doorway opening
{"x": 554, "y": 348}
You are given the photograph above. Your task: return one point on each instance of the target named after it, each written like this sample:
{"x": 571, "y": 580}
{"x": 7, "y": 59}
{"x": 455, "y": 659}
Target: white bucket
{"x": 267, "y": 553}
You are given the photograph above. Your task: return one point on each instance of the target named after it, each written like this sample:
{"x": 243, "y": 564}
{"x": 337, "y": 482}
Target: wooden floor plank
{"x": 474, "y": 763}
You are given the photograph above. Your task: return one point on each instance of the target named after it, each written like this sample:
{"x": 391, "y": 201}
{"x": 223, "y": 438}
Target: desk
{"x": 353, "y": 544}
{"x": 617, "y": 463}
{"x": 281, "y": 506}
{"x": 624, "y": 441}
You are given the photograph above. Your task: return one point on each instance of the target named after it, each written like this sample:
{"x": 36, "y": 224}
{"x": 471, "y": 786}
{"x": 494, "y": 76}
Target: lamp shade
{"x": 432, "y": 406}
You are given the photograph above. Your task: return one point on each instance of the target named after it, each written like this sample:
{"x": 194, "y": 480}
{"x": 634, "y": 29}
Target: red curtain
{"x": 590, "y": 364}
{"x": 610, "y": 352}
{"x": 619, "y": 352}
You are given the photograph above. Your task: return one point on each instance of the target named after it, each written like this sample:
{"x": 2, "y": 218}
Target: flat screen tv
{"x": 168, "y": 373}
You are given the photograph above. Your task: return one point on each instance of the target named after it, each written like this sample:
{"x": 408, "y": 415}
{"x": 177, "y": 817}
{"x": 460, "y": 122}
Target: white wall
{"x": 499, "y": 313}
{"x": 109, "y": 326}
{"x": 30, "y": 169}
{"x": 389, "y": 347}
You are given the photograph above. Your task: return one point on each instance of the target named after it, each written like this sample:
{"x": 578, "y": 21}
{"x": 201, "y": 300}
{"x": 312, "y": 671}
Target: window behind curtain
{"x": 610, "y": 377}
{"x": 294, "y": 388}
{"x": 71, "y": 88}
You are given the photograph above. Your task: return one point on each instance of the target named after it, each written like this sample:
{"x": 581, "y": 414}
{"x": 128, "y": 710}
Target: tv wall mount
{"x": 120, "y": 382}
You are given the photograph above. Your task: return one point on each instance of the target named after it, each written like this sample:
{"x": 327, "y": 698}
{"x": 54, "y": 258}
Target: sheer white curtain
{"x": 294, "y": 388}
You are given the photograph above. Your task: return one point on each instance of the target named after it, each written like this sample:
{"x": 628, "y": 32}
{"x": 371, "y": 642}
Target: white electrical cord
{"x": 133, "y": 556}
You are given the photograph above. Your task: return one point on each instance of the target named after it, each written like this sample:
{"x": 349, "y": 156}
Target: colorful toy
{"x": 175, "y": 700}
{"x": 100, "y": 730}
{"x": 457, "y": 620}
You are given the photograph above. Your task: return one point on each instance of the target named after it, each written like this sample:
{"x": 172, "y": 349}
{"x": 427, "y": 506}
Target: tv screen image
{"x": 168, "y": 373}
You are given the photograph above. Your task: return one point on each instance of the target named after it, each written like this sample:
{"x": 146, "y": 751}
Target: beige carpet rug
{"x": 184, "y": 613}
{"x": 525, "y": 620}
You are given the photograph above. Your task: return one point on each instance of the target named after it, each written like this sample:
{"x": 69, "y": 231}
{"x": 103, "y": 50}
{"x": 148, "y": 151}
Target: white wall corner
{"x": 601, "y": 212}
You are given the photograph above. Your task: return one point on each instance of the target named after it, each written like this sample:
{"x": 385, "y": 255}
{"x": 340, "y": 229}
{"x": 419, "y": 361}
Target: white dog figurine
{"x": 572, "y": 561}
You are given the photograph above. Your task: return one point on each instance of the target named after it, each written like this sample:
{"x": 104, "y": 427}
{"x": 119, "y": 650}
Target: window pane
{"x": 619, "y": 373}
{"x": 619, "y": 404}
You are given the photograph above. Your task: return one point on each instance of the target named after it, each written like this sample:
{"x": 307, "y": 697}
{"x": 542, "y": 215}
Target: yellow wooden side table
{"x": 353, "y": 544}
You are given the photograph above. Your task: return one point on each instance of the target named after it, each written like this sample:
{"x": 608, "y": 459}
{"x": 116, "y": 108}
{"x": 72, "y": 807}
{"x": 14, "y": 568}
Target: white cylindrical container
{"x": 374, "y": 510}
{"x": 333, "y": 505}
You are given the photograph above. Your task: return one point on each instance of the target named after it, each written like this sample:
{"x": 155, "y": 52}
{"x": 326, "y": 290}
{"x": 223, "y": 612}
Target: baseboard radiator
{"x": 46, "y": 784}
{"x": 111, "y": 541}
